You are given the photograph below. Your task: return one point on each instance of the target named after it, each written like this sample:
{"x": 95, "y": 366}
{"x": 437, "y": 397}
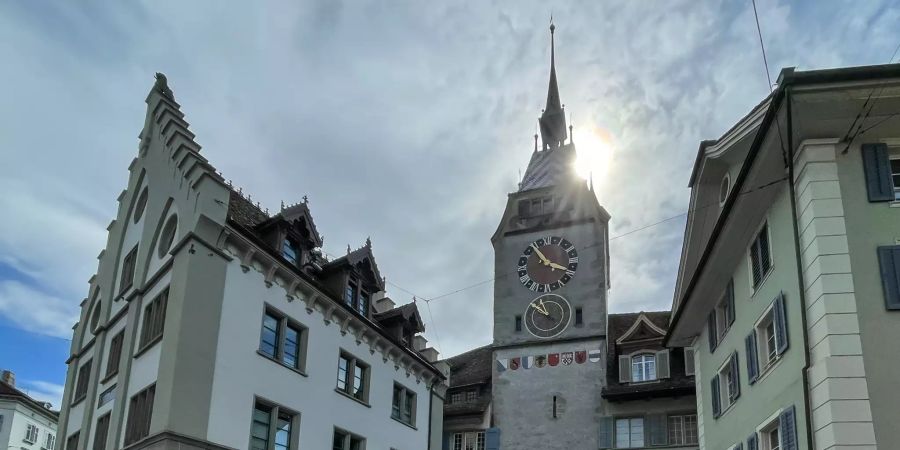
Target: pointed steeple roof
{"x": 553, "y": 119}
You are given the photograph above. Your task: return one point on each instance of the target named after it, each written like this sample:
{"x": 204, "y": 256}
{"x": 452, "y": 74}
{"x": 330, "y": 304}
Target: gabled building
{"x": 25, "y": 423}
{"x": 467, "y": 405}
{"x": 649, "y": 389}
{"x": 787, "y": 290}
{"x": 213, "y": 324}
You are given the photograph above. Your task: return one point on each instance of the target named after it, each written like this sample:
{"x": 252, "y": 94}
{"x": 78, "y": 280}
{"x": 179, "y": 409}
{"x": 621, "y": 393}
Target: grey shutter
{"x": 787, "y": 427}
{"x": 715, "y": 397}
{"x": 688, "y": 361}
{"x": 711, "y": 330}
{"x": 736, "y": 373}
{"x": 889, "y": 261}
{"x": 492, "y": 439}
{"x": 656, "y": 429}
{"x": 662, "y": 364}
{"x": 624, "y": 369}
{"x": 877, "y": 167}
{"x": 729, "y": 297}
{"x": 606, "y": 432}
{"x": 752, "y": 443}
{"x": 739, "y": 446}
{"x": 781, "y": 327}
{"x": 752, "y": 358}
{"x": 445, "y": 443}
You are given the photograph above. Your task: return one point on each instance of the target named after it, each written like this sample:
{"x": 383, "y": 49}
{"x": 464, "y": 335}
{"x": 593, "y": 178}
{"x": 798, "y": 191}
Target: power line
{"x": 762, "y": 46}
{"x": 857, "y": 122}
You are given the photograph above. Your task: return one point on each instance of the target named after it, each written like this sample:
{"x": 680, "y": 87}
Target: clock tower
{"x": 551, "y": 261}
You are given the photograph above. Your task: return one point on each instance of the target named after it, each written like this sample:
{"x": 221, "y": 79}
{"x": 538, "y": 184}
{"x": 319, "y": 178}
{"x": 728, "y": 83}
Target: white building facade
{"x": 25, "y": 423}
{"x": 213, "y": 324}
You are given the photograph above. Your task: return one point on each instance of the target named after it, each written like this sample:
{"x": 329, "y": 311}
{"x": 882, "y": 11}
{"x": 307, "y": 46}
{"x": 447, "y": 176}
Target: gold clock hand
{"x": 540, "y": 309}
{"x": 557, "y": 266}
{"x": 540, "y": 255}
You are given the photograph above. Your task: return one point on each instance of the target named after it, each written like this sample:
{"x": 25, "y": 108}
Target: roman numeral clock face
{"x": 547, "y": 264}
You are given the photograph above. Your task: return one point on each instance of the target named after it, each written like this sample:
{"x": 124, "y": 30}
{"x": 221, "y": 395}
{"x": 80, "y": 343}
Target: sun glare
{"x": 594, "y": 153}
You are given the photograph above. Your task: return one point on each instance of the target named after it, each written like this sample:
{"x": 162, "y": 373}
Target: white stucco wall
{"x": 16, "y": 418}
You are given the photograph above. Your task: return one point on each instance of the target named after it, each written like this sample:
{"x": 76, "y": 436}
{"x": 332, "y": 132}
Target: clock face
{"x": 547, "y": 264}
{"x": 547, "y": 316}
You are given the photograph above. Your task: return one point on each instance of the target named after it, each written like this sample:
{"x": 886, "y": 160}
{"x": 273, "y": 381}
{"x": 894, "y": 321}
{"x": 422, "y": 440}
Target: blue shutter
{"x": 752, "y": 359}
{"x": 736, "y": 373}
{"x": 716, "y": 398}
{"x": 445, "y": 443}
{"x": 889, "y": 261}
{"x": 877, "y": 167}
{"x": 656, "y": 426}
{"x": 606, "y": 432}
{"x": 787, "y": 428}
{"x": 752, "y": 443}
{"x": 781, "y": 327}
{"x": 730, "y": 299}
{"x": 492, "y": 439}
{"x": 711, "y": 330}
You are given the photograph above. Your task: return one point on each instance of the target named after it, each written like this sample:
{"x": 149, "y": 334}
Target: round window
{"x": 723, "y": 189}
{"x": 139, "y": 207}
{"x": 167, "y": 236}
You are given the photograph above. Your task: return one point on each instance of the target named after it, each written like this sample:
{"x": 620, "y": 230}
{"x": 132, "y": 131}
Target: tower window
{"x": 518, "y": 323}
{"x": 579, "y": 317}
{"x": 554, "y": 407}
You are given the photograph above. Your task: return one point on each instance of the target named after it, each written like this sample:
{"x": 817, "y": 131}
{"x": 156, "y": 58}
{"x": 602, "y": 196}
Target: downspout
{"x": 797, "y": 251}
{"x": 430, "y": 413}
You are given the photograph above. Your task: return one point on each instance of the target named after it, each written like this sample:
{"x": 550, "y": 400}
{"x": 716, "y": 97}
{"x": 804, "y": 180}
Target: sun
{"x": 594, "y": 153}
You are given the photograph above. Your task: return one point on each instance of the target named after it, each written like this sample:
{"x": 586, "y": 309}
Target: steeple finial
{"x": 553, "y": 119}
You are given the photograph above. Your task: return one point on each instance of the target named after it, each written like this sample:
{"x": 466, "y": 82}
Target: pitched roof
{"x": 471, "y": 367}
{"x": 409, "y": 311}
{"x": 547, "y": 168}
{"x": 10, "y": 392}
{"x": 244, "y": 212}
{"x": 357, "y": 256}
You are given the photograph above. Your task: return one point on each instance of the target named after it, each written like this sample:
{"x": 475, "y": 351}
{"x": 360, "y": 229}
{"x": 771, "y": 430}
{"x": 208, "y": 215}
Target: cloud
{"x": 36, "y": 311}
{"x": 43, "y": 391}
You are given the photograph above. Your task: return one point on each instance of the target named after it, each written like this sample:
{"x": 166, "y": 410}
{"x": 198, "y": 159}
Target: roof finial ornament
{"x": 305, "y": 200}
{"x": 553, "y": 120}
{"x": 282, "y": 205}
{"x": 162, "y": 86}
{"x": 571, "y": 133}
{"x": 348, "y": 249}
{"x": 369, "y": 242}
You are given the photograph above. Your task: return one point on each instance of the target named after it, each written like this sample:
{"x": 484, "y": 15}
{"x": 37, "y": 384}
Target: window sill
{"x": 361, "y": 402}
{"x": 404, "y": 423}
{"x": 292, "y": 369}
{"x": 762, "y": 282}
{"x": 726, "y": 410}
{"x": 109, "y": 377}
{"x": 769, "y": 368}
{"x": 147, "y": 346}
{"x": 74, "y": 402}
{"x": 895, "y": 204}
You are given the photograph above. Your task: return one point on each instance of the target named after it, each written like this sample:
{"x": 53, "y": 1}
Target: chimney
{"x": 8, "y": 377}
{"x": 383, "y": 304}
{"x": 430, "y": 354}
{"x": 419, "y": 342}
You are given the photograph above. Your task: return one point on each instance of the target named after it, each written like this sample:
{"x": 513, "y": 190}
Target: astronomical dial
{"x": 547, "y": 316}
{"x": 547, "y": 264}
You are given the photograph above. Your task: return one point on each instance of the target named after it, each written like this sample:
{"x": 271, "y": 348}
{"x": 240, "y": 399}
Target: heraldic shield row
{"x": 548, "y": 360}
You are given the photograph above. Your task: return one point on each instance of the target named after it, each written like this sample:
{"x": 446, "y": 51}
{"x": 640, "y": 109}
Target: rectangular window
{"x": 456, "y": 397}
{"x": 768, "y": 340}
{"x": 471, "y": 396}
{"x": 895, "y": 171}
{"x": 353, "y": 377}
{"x": 688, "y": 361}
{"x": 344, "y": 440}
{"x": 271, "y": 421}
{"x": 643, "y": 367}
{"x": 403, "y": 406}
{"x": 128, "y": 270}
{"x": 579, "y": 317}
{"x": 72, "y": 441}
{"x": 50, "y": 443}
{"x": 115, "y": 354}
{"x": 363, "y": 305}
{"x": 101, "y": 432}
{"x": 518, "y": 323}
{"x": 729, "y": 382}
{"x": 630, "y": 432}
{"x": 154, "y": 320}
{"x": 31, "y": 433}
{"x": 140, "y": 411}
{"x": 283, "y": 340}
{"x": 760, "y": 256}
{"x": 81, "y": 385}
{"x": 289, "y": 251}
{"x": 472, "y": 440}
{"x": 351, "y": 292}
{"x": 683, "y": 430}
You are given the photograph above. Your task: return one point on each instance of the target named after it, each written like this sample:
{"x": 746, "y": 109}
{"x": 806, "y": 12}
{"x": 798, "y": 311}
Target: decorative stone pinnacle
{"x": 162, "y": 86}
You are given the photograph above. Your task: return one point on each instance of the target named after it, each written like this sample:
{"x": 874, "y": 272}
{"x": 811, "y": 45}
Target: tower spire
{"x": 553, "y": 119}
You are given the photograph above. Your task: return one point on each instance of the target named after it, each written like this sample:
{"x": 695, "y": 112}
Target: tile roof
{"x": 10, "y": 392}
{"x": 547, "y": 168}
{"x": 471, "y": 367}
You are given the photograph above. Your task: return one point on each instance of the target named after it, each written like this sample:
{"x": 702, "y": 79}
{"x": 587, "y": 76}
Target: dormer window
{"x": 289, "y": 251}
{"x": 356, "y": 298}
{"x": 643, "y": 367}
{"x": 363, "y": 305}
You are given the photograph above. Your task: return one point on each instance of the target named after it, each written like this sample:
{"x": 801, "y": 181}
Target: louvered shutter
{"x": 445, "y": 443}
{"x": 492, "y": 439}
{"x": 729, "y": 297}
{"x": 606, "y": 432}
{"x": 715, "y": 397}
{"x": 736, "y": 373}
{"x": 752, "y": 443}
{"x": 656, "y": 427}
{"x": 662, "y": 364}
{"x": 781, "y": 326}
{"x": 787, "y": 427}
{"x": 752, "y": 358}
{"x": 624, "y": 369}
{"x": 739, "y": 446}
{"x": 877, "y": 167}
{"x": 889, "y": 261}
{"x": 688, "y": 361}
{"x": 711, "y": 331}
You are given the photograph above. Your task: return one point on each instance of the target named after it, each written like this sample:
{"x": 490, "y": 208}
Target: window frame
{"x": 893, "y": 152}
{"x": 727, "y": 399}
{"x": 284, "y": 323}
{"x": 579, "y": 317}
{"x": 50, "y": 441}
{"x": 289, "y": 244}
{"x": 140, "y": 408}
{"x": 644, "y": 364}
{"x": 350, "y": 377}
{"x": 72, "y": 441}
{"x": 129, "y": 264}
{"x": 459, "y": 440}
{"x": 764, "y": 274}
{"x": 114, "y": 356}
{"x": 631, "y": 433}
{"x": 404, "y": 404}
{"x": 275, "y": 414}
{"x": 32, "y": 433}
{"x": 684, "y": 428}
{"x": 102, "y": 424}
{"x": 82, "y": 382}
{"x": 348, "y": 438}
{"x": 153, "y": 321}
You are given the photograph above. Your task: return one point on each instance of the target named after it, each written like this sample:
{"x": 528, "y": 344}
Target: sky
{"x": 404, "y": 121}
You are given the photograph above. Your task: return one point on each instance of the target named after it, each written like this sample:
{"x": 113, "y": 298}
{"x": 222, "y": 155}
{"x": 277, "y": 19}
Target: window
{"x": 356, "y": 298}
{"x": 115, "y": 354}
{"x": 579, "y": 317}
{"x": 128, "y": 270}
{"x": 889, "y": 262}
{"x": 472, "y": 440}
{"x": 350, "y": 293}
{"x": 768, "y": 340}
{"x": 31, "y": 433}
{"x": 140, "y": 205}
{"x": 723, "y": 189}
{"x": 771, "y": 440}
{"x": 50, "y": 442}
{"x": 140, "y": 411}
{"x": 688, "y": 361}
{"x": 271, "y": 420}
{"x": 353, "y": 377}
{"x": 95, "y": 317}
{"x": 289, "y": 251}
{"x": 760, "y": 257}
{"x": 683, "y": 430}
{"x": 363, "y": 305}
{"x": 107, "y": 396}
{"x": 721, "y": 318}
{"x": 895, "y": 172}
{"x": 630, "y": 432}
{"x": 518, "y": 323}
{"x": 72, "y": 442}
{"x": 344, "y": 440}
{"x": 154, "y": 319}
{"x": 726, "y": 386}
{"x": 167, "y": 237}
{"x": 554, "y": 412}
{"x": 283, "y": 340}
{"x": 81, "y": 385}
{"x": 471, "y": 396}
{"x": 535, "y": 206}
{"x": 101, "y": 433}
{"x": 880, "y": 166}
{"x": 403, "y": 406}
{"x": 643, "y": 367}
{"x": 456, "y": 397}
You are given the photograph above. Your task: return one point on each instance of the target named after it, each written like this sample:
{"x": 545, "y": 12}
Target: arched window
{"x": 643, "y": 367}
{"x": 167, "y": 237}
